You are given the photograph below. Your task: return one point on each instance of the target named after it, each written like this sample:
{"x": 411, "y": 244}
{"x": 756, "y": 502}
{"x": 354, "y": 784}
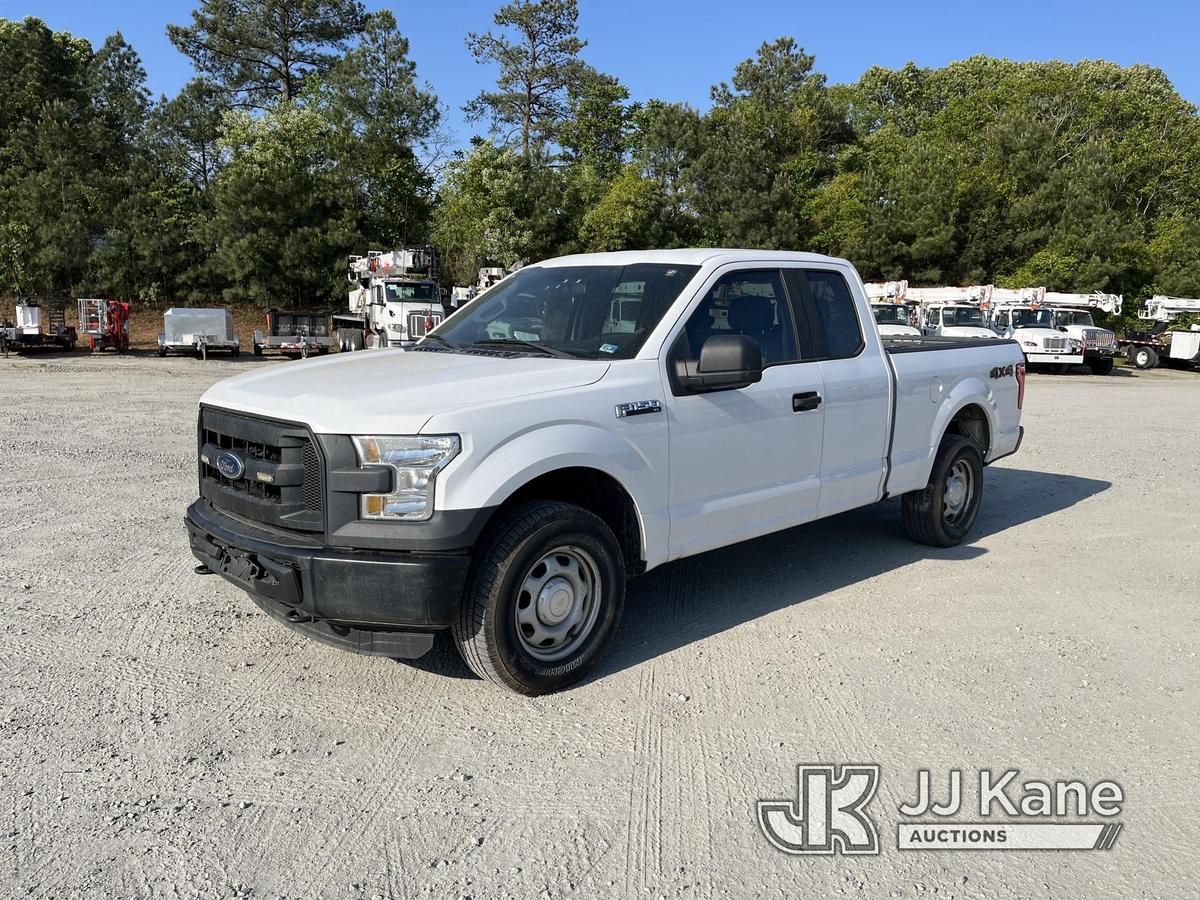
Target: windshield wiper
{"x": 441, "y": 340}
{"x": 536, "y": 346}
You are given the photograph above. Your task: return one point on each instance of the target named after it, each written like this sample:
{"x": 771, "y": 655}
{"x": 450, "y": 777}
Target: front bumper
{"x": 1063, "y": 357}
{"x": 1110, "y": 352}
{"x": 374, "y": 602}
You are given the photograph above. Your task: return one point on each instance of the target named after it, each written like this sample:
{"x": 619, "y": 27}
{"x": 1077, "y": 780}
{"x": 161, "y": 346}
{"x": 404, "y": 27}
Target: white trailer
{"x": 196, "y": 330}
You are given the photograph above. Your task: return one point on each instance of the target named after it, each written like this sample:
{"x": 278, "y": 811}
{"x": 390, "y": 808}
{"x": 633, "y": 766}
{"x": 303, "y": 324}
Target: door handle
{"x": 805, "y": 401}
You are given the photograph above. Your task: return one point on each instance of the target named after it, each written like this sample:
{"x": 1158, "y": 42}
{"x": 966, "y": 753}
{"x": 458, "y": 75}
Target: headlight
{"x": 1030, "y": 343}
{"x": 415, "y": 462}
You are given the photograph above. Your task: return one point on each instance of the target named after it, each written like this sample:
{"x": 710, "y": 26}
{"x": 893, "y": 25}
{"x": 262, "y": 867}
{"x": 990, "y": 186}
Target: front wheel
{"x": 1100, "y": 365}
{"x": 943, "y": 513}
{"x": 544, "y": 598}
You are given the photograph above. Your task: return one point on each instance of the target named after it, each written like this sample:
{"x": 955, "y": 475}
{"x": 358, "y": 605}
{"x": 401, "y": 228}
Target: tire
{"x": 1062, "y": 369}
{"x": 930, "y": 516}
{"x": 235, "y": 352}
{"x": 573, "y": 556}
{"x": 162, "y": 351}
{"x": 258, "y": 350}
{"x": 1144, "y": 357}
{"x": 1100, "y": 365}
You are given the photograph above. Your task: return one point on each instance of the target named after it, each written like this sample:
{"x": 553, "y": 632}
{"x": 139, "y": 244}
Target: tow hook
{"x": 202, "y": 569}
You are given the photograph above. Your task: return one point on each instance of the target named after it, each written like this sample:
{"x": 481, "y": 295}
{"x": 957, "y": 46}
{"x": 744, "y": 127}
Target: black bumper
{"x": 1102, "y": 352}
{"x": 368, "y": 601}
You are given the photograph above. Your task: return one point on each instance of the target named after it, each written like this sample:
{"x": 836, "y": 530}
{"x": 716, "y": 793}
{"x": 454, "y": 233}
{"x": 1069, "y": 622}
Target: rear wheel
{"x": 943, "y": 513}
{"x": 258, "y": 349}
{"x": 544, "y": 598}
{"x": 1144, "y": 357}
{"x": 1100, "y": 365}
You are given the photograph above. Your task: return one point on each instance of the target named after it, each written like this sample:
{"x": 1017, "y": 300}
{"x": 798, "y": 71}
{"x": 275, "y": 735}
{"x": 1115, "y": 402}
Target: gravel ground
{"x": 160, "y": 737}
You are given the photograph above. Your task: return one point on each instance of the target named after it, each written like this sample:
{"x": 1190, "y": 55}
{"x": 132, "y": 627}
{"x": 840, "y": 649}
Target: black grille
{"x": 314, "y": 487}
{"x": 281, "y": 483}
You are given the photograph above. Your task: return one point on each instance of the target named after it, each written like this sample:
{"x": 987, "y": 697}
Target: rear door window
{"x": 824, "y": 299}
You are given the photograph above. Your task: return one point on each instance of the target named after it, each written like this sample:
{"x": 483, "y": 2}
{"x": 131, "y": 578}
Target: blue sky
{"x": 675, "y": 49}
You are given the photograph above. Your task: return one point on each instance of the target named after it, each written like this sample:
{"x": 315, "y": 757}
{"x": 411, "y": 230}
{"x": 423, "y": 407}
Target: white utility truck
{"x": 1072, "y": 315}
{"x": 395, "y": 301}
{"x": 506, "y": 477}
{"x": 1021, "y": 315}
{"x": 1176, "y": 347}
{"x": 953, "y": 311}
{"x": 892, "y": 315}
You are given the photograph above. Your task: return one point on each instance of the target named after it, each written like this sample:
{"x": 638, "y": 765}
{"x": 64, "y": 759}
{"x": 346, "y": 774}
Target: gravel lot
{"x": 161, "y": 737}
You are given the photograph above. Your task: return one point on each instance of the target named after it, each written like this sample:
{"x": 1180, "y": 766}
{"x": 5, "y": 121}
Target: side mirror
{"x": 1062, "y": 327}
{"x": 727, "y": 362}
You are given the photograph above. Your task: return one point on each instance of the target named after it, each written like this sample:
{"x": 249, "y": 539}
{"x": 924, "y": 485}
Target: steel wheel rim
{"x": 959, "y": 490}
{"x": 558, "y": 603}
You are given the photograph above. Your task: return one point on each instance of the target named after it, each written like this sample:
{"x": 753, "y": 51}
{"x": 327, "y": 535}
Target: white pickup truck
{"x": 504, "y": 478}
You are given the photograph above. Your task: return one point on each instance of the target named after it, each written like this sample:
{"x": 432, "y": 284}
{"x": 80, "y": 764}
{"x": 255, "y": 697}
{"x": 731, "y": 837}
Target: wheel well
{"x": 596, "y": 492}
{"x": 972, "y": 422}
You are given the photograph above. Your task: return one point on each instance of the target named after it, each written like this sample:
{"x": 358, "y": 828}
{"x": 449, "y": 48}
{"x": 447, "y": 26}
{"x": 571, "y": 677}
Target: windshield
{"x": 1031, "y": 318}
{"x": 1075, "y": 317}
{"x": 408, "y": 291}
{"x": 890, "y": 314}
{"x": 593, "y": 312}
{"x": 962, "y": 315}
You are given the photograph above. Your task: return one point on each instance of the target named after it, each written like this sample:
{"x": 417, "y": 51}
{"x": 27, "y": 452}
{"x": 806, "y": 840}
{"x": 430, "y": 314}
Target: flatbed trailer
{"x": 25, "y": 333}
{"x": 303, "y": 332}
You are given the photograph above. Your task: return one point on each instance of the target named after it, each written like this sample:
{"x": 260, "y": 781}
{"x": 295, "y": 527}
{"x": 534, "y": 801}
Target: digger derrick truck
{"x": 1022, "y": 314}
{"x": 1072, "y": 315}
{"x": 395, "y": 300}
{"x": 1175, "y": 347}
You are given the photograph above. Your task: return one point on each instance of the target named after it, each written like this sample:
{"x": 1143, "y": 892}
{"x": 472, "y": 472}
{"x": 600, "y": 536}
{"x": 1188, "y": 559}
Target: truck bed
{"x": 931, "y": 386}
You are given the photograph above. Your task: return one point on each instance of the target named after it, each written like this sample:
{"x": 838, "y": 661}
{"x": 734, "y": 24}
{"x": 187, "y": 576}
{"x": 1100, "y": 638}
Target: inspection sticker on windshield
{"x": 609, "y": 348}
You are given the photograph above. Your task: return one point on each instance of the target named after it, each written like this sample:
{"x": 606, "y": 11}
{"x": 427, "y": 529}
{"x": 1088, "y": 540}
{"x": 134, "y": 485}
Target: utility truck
{"x": 1022, "y": 316}
{"x": 1176, "y": 348}
{"x": 1072, "y": 315}
{"x": 26, "y": 331}
{"x": 892, "y": 315}
{"x": 953, "y": 311}
{"x": 395, "y": 300}
{"x": 504, "y": 478}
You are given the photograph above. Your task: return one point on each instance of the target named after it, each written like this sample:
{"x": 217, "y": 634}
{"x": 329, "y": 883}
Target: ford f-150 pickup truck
{"x": 584, "y": 420}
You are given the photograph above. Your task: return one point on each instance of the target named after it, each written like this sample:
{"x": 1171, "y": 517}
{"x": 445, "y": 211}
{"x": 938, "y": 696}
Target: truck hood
{"x": 968, "y": 331}
{"x": 896, "y": 329}
{"x": 392, "y": 391}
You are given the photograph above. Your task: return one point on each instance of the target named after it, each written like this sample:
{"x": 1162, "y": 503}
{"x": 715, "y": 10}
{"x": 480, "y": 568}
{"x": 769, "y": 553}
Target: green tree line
{"x": 307, "y": 134}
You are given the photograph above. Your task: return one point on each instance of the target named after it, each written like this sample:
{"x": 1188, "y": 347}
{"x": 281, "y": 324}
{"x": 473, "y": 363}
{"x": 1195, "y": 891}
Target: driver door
{"x": 744, "y": 462}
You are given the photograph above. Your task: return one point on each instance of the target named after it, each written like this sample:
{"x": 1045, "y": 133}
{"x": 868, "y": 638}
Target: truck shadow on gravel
{"x": 686, "y": 601}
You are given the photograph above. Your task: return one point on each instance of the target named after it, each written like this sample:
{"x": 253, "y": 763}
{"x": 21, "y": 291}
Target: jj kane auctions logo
{"x": 830, "y": 813}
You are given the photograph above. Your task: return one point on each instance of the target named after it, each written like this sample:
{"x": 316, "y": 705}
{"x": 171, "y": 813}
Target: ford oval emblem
{"x": 230, "y": 465}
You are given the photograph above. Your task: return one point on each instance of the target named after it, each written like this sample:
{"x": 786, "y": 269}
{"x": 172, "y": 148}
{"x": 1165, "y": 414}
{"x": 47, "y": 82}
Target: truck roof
{"x": 696, "y": 256}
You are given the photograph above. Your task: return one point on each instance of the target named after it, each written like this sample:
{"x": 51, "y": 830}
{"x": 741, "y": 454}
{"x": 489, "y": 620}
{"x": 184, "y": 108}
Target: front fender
{"x": 487, "y": 479}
